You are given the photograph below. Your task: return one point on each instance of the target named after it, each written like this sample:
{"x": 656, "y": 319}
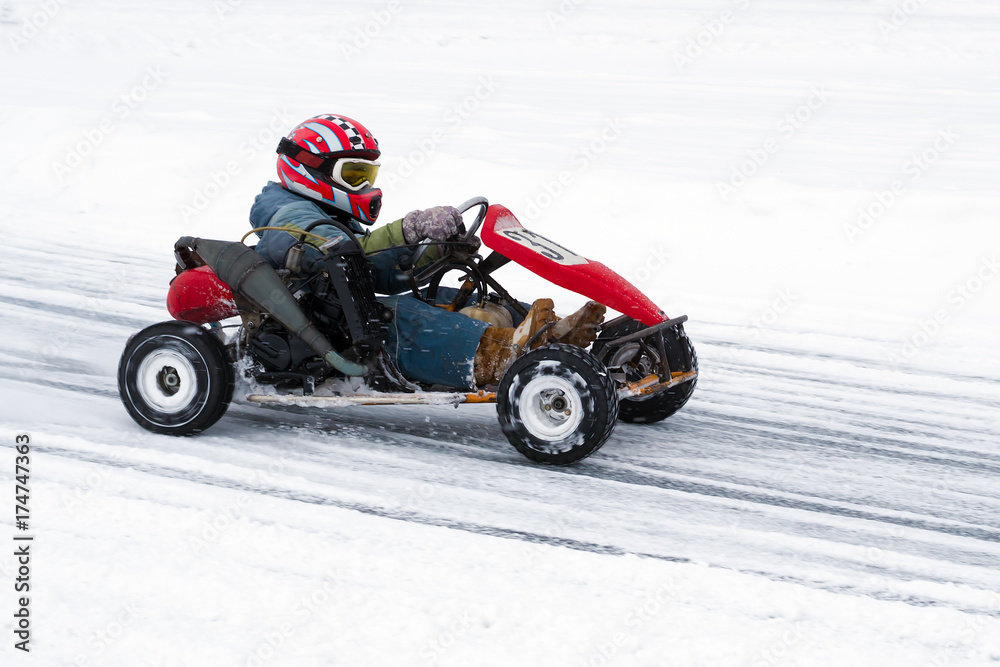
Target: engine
{"x": 341, "y": 303}
{"x": 333, "y": 321}
{"x": 279, "y": 351}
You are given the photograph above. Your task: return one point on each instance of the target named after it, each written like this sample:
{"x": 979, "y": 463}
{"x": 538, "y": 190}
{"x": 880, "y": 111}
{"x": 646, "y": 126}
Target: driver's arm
{"x": 274, "y": 245}
{"x": 389, "y": 279}
{"x": 391, "y": 235}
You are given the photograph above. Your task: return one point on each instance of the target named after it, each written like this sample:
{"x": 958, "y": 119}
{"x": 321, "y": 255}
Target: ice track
{"x": 778, "y": 466}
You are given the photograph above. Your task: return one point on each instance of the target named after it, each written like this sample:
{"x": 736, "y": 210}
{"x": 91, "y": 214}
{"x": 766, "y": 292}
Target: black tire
{"x": 573, "y": 430}
{"x": 680, "y": 356}
{"x": 173, "y": 378}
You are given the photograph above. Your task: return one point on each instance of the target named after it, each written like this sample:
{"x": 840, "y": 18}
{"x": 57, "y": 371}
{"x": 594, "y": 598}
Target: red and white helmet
{"x": 333, "y": 159}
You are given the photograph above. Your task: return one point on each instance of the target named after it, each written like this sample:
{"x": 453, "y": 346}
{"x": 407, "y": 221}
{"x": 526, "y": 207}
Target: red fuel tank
{"x": 199, "y": 296}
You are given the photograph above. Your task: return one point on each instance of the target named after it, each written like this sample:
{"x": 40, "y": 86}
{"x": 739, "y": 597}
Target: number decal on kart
{"x": 543, "y": 246}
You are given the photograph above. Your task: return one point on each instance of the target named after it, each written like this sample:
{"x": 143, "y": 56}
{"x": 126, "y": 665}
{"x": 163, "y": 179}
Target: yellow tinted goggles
{"x": 354, "y": 174}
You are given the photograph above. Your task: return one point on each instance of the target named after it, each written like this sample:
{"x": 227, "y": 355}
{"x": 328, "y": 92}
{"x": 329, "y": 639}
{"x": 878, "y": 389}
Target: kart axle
{"x": 651, "y": 384}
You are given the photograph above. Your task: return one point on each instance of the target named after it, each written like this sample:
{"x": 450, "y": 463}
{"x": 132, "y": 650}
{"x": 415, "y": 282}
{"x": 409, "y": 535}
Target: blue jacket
{"x": 276, "y": 206}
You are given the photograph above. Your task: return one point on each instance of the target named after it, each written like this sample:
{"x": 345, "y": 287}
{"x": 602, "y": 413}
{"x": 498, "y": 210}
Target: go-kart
{"x": 556, "y": 403}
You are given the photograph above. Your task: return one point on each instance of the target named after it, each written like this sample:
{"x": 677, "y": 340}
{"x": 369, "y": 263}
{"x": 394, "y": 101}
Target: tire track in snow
{"x": 482, "y": 529}
{"x": 825, "y": 355}
{"x": 78, "y": 313}
{"x": 640, "y": 474}
{"x": 716, "y": 416}
{"x": 887, "y": 447}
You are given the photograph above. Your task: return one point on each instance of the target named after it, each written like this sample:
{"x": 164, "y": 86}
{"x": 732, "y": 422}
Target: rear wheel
{"x": 633, "y": 361}
{"x": 557, "y": 404}
{"x": 173, "y": 378}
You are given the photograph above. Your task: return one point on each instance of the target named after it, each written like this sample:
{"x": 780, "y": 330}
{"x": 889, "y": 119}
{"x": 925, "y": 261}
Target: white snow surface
{"x": 830, "y": 494}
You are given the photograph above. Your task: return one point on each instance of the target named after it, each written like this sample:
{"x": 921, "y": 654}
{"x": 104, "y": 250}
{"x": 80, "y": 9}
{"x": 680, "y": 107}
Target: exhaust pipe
{"x": 249, "y": 275}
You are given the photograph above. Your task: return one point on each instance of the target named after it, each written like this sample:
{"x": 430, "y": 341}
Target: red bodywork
{"x": 502, "y": 232}
{"x": 199, "y": 296}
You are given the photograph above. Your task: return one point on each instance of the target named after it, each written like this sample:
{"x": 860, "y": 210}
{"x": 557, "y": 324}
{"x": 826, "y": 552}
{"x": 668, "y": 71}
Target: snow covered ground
{"x": 813, "y": 182}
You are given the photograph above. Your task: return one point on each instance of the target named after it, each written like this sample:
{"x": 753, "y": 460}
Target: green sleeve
{"x": 390, "y": 235}
{"x": 385, "y": 236}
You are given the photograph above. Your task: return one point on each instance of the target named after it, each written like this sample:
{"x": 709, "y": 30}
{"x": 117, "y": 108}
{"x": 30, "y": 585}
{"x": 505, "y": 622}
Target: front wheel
{"x": 557, "y": 404}
{"x": 174, "y": 378}
{"x": 635, "y": 360}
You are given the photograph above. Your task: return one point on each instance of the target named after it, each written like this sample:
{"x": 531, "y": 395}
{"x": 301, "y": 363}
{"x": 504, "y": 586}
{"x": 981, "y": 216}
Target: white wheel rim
{"x": 551, "y": 408}
{"x": 167, "y": 381}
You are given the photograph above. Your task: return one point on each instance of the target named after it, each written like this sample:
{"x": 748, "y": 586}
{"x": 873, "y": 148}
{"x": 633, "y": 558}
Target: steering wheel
{"x": 462, "y": 237}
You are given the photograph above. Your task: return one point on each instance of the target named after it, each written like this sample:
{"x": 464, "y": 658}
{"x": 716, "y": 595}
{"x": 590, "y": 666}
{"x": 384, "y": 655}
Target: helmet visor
{"x": 354, "y": 174}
